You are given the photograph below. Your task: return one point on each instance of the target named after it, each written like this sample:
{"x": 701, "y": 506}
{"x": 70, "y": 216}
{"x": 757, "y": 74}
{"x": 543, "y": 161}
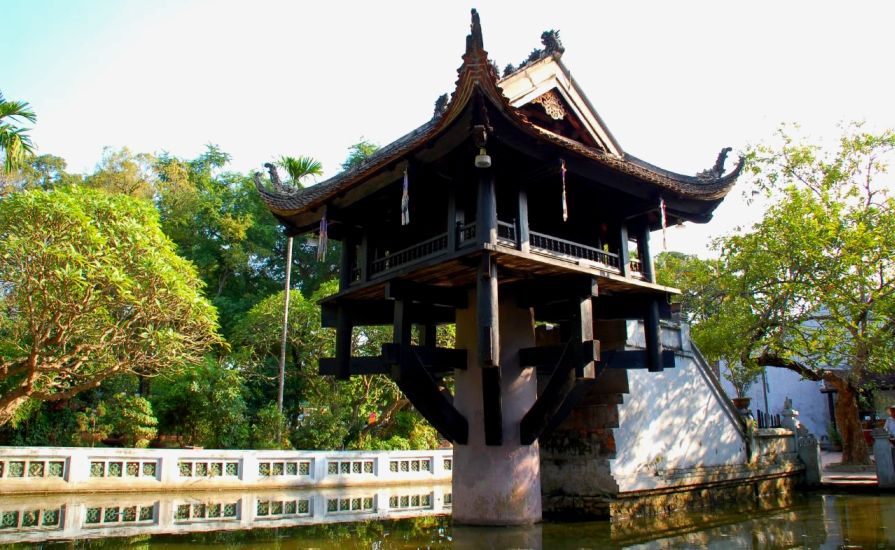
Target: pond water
{"x": 395, "y": 519}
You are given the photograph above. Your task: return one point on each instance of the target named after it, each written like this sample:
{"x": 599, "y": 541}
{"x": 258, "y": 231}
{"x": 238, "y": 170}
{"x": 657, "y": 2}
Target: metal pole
{"x": 285, "y": 330}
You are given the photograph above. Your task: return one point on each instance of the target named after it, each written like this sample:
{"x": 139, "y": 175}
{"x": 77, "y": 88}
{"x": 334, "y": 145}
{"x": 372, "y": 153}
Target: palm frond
{"x": 300, "y": 168}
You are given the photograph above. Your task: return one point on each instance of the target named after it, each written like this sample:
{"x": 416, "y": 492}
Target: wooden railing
{"x": 506, "y": 233}
{"x": 411, "y": 254}
{"x": 553, "y": 246}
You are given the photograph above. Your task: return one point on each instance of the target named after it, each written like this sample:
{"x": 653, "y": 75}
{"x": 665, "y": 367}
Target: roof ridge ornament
{"x": 474, "y": 40}
{"x": 717, "y": 170}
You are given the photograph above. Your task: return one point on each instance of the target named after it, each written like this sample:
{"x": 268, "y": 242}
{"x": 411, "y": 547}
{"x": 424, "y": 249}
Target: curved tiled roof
{"x": 476, "y": 75}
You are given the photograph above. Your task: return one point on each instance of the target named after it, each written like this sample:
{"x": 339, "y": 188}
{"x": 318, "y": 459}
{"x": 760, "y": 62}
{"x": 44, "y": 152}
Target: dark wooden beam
{"x": 584, "y": 333}
{"x": 362, "y": 259}
{"x": 618, "y": 306}
{"x": 359, "y": 366}
{"x": 432, "y": 358}
{"x": 343, "y": 345}
{"x": 398, "y": 289}
{"x": 437, "y": 361}
{"x": 522, "y": 223}
{"x": 452, "y": 228}
{"x": 381, "y": 312}
{"x": 487, "y": 304}
{"x": 643, "y": 252}
{"x": 652, "y": 333}
{"x": 554, "y": 289}
{"x": 545, "y": 358}
{"x": 486, "y": 208}
{"x": 346, "y": 261}
{"x": 426, "y": 396}
{"x": 557, "y": 398}
{"x": 624, "y": 259}
{"x": 634, "y": 359}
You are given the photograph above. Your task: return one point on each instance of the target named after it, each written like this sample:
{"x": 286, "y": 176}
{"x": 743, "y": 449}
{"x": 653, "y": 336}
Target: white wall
{"x": 783, "y": 383}
{"x": 674, "y": 419}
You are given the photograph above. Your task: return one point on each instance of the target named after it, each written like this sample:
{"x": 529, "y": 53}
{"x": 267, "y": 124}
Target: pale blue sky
{"x": 674, "y": 81}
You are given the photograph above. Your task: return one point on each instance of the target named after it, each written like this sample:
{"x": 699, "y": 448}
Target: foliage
{"x": 218, "y": 222}
{"x": 811, "y": 287}
{"x": 203, "y": 405}
{"x": 92, "y": 289}
{"x": 126, "y": 418}
{"x": 269, "y": 429}
{"x": 358, "y": 153}
{"x": 15, "y": 143}
{"x": 124, "y": 172}
{"x": 300, "y": 168}
{"x": 41, "y": 172}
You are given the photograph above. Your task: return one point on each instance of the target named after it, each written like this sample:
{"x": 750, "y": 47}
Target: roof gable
{"x": 549, "y": 85}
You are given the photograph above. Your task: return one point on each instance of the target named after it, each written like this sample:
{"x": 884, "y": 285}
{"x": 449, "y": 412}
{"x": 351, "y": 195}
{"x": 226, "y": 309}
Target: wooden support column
{"x": 624, "y": 259}
{"x": 452, "y": 228}
{"x": 343, "y": 343}
{"x": 349, "y": 246}
{"x": 362, "y": 258}
{"x": 643, "y": 251}
{"x": 522, "y": 224}
{"x": 653, "y": 337}
{"x": 489, "y": 348}
{"x": 486, "y": 209}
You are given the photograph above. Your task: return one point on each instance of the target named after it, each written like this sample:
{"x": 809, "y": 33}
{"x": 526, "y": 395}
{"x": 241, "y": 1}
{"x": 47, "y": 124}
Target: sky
{"x": 674, "y": 81}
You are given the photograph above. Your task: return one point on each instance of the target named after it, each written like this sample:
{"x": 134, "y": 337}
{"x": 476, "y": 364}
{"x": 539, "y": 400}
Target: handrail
{"x": 506, "y": 232}
{"x": 726, "y": 403}
{"x": 554, "y": 246}
{"x": 411, "y": 254}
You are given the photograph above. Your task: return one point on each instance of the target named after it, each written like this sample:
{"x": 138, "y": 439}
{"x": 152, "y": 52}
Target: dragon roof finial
{"x": 717, "y": 170}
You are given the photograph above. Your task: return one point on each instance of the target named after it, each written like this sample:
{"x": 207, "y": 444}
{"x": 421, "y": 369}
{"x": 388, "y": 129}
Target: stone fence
{"x": 76, "y": 469}
{"x": 27, "y": 519}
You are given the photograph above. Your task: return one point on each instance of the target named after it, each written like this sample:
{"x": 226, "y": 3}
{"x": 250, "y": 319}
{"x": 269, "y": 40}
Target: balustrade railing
{"x": 466, "y": 234}
{"x": 553, "y": 246}
{"x": 636, "y": 265}
{"x": 409, "y": 255}
{"x": 506, "y": 233}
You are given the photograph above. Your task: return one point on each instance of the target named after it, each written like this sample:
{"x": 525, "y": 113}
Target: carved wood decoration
{"x": 552, "y": 105}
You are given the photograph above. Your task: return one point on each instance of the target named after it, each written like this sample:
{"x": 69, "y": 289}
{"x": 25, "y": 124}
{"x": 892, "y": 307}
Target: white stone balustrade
{"x": 28, "y": 518}
{"x": 74, "y": 469}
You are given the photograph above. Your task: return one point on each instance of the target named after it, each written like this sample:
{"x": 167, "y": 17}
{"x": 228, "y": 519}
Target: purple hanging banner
{"x": 322, "y": 239}
{"x": 405, "y": 201}
{"x": 565, "y": 207}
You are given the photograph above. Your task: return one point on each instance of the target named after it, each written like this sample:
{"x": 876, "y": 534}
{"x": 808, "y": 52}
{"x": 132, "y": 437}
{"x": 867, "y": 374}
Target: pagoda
{"x": 512, "y": 208}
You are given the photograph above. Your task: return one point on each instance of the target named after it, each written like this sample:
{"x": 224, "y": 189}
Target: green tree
{"x": 203, "y": 405}
{"x": 40, "y": 172}
{"x": 92, "y": 289}
{"x": 219, "y": 223}
{"x": 125, "y": 172}
{"x": 14, "y": 140}
{"x": 811, "y": 287}
{"x": 358, "y": 153}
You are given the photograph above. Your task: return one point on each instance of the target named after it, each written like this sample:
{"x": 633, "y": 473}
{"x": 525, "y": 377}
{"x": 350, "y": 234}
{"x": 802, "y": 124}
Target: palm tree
{"x": 298, "y": 169}
{"x": 14, "y": 141}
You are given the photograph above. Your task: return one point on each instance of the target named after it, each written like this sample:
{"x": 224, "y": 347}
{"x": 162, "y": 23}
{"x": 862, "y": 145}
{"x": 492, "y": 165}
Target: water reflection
{"x": 343, "y": 519}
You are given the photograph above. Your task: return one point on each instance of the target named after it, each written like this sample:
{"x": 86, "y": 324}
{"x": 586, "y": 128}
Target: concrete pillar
{"x": 882, "y": 453}
{"x": 809, "y": 453}
{"x": 496, "y": 484}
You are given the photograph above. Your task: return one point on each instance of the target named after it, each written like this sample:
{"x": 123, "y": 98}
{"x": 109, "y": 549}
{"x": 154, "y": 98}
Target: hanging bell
{"x": 482, "y": 160}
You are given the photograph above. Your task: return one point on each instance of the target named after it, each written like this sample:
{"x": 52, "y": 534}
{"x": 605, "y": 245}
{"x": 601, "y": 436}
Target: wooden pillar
{"x": 522, "y": 223}
{"x": 343, "y": 343}
{"x": 584, "y": 328}
{"x": 362, "y": 258}
{"x": 401, "y": 336}
{"x": 486, "y": 209}
{"x": 489, "y": 348}
{"x": 349, "y": 249}
{"x": 624, "y": 260}
{"x": 646, "y": 260}
{"x": 452, "y": 219}
{"x": 652, "y": 333}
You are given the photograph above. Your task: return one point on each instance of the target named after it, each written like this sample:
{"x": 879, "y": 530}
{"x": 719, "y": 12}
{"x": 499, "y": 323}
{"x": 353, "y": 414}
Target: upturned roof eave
{"x": 476, "y": 75}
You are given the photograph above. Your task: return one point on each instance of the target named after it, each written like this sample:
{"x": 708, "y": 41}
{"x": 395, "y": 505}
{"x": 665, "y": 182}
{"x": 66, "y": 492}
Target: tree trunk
{"x": 854, "y": 447}
{"x": 9, "y": 406}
